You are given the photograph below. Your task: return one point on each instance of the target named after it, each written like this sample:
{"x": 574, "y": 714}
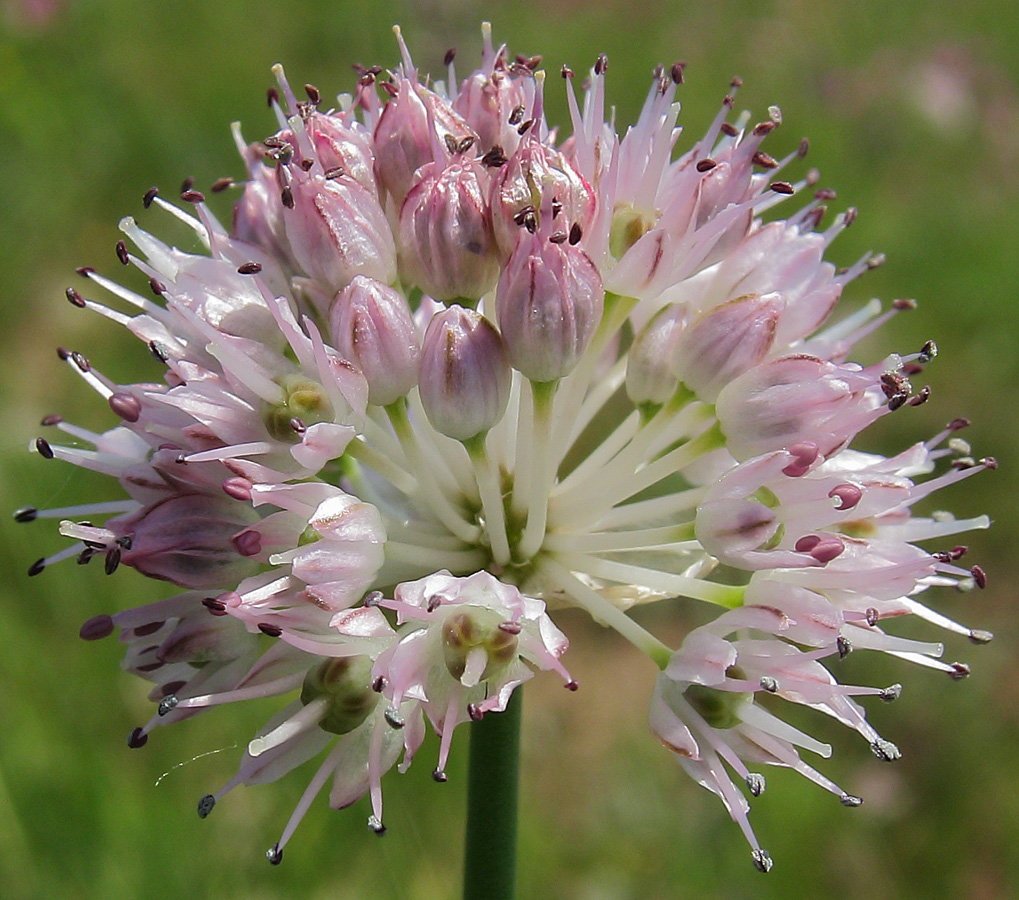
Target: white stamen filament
{"x": 728, "y": 596}
{"x": 305, "y": 718}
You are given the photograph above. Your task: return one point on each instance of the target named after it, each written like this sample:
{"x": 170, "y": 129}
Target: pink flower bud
{"x": 491, "y": 102}
{"x": 258, "y": 215}
{"x": 342, "y": 144}
{"x": 537, "y": 176}
{"x": 649, "y": 374}
{"x": 371, "y": 325}
{"x": 465, "y": 377}
{"x": 410, "y": 133}
{"x": 548, "y": 303}
{"x": 336, "y": 229}
{"x": 726, "y": 341}
{"x": 445, "y": 233}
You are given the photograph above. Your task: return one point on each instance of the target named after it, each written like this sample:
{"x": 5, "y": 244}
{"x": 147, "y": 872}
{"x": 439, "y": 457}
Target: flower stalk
{"x": 493, "y": 778}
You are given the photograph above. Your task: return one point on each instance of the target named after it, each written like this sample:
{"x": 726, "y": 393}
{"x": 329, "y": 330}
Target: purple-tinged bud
{"x": 258, "y": 215}
{"x": 371, "y": 325}
{"x": 649, "y": 374}
{"x": 465, "y": 376}
{"x": 726, "y": 341}
{"x": 529, "y": 181}
{"x": 548, "y": 303}
{"x": 445, "y": 234}
{"x": 336, "y": 229}
{"x": 488, "y": 101}
{"x": 342, "y": 145}
{"x": 409, "y": 132}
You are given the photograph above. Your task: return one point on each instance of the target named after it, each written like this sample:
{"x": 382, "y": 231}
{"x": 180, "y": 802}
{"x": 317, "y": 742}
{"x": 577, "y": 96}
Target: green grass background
{"x": 913, "y": 113}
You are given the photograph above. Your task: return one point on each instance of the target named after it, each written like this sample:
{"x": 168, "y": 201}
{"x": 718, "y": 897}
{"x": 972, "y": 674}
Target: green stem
{"x": 490, "y": 864}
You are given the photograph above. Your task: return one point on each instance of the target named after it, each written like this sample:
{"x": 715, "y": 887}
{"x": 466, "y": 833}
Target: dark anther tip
{"x": 475, "y": 714}
{"x": 37, "y": 567}
{"x": 571, "y": 685}
{"x": 150, "y": 195}
{"x": 167, "y": 705}
{"x": 274, "y": 854}
{"x": 439, "y": 776}
{"x": 137, "y": 738}
{"x": 122, "y": 254}
{"x": 958, "y": 671}
{"x": 979, "y": 577}
{"x": 851, "y": 801}
{"x": 393, "y": 717}
{"x": 43, "y": 447}
{"x": 96, "y": 628}
{"x": 755, "y": 783}
{"x": 249, "y": 268}
{"x": 886, "y": 751}
{"x": 112, "y": 561}
{"x": 379, "y": 684}
{"x": 762, "y": 861}
{"x": 205, "y": 805}
{"x": 375, "y": 824}
{"x": 25, "y": 514}
{"x": 891, "y": 693}
{"x": 269, "y": 629}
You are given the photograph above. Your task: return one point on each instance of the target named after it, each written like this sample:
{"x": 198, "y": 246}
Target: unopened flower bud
{"x": 337, "y": 229}
{"x": 649, "y": 374}
{"x": 465, "y": 377}
{"x": 343, "y": 145}
{"x": 445, "y": 234}
{"x": 407, "y": 136}
{"x": 530, "y": 180}
{"x": 726, "y": 341}
{"x": 548, "y": 303}
{"x": 371, "y": 325}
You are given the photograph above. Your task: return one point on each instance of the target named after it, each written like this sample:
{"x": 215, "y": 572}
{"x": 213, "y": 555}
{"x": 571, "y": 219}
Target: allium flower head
{"x": 448, "y": 370}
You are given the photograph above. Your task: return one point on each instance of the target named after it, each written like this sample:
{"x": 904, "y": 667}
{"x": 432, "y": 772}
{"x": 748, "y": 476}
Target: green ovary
{"x": 346, "y": 683}
{"x": 304, "y": 400}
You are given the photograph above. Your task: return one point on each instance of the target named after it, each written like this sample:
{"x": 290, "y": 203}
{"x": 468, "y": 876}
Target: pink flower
{"x": 449, "y": 369}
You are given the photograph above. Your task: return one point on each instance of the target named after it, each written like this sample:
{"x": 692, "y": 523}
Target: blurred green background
{"x": 913, "y": 114}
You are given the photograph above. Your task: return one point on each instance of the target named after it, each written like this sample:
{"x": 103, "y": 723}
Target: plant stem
{"x": 493, "y": 776}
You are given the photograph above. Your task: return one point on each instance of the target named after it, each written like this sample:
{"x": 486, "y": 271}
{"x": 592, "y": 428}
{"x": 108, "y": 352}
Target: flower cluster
{"x": 445, "y": 370}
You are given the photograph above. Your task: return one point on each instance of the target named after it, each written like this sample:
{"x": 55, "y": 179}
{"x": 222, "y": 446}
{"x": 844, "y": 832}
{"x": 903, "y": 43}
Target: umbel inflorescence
{"x": 445, "y": 370}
